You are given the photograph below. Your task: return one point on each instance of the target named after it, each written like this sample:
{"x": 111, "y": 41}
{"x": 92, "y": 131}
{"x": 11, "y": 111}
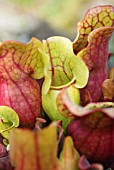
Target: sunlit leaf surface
{"x": 64, "y": 66}
{"x": 49, "y": 105}
{"x": 8, "y": 120}
{"x": 95, "y": 55}
{"x": 96, "y": 17}
{"x": 18, "y": 64}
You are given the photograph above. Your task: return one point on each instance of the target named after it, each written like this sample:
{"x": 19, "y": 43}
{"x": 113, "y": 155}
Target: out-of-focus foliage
{"x": 23, "y": 2}
{"x": 61, "y": 15}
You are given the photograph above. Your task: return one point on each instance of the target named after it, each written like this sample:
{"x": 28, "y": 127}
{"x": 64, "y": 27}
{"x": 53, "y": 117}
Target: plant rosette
{"x": 63, "y": 69}
{"x": 78, "y": 89}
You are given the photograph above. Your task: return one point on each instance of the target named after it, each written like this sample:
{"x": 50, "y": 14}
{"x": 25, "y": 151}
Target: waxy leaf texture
{"x": 63, "y": 67}
{"x": 96, "y": 17}
{"x": 95, "y": 55}
{"x": 62, "y": 70}
{"x": 40, "y": 152}
{"x": 53, "y": 111}
{"x": 8, "y": 120}
{"x": 18, "y": 90}
{"x": 92, "y": 128}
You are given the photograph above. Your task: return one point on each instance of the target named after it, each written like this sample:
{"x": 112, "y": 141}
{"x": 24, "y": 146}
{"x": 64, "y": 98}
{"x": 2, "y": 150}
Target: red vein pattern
{"x": 34, "y": 150}
{"x": 60, "y": 53}
{"x": 95, "y": 57}
{"x": 92, "y": 130}
{"x": 94, "y": 140}
{"x": 96, "y": 17}
{"x": 17, "y": 88}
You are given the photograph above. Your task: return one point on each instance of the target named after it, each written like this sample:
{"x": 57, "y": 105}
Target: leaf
{"x": 18, "y": 63}
{"x": 96, "y": 17}
{"x": 64, "y": 100}
{"x": 46, "y": 85}
{"x": 99, "y": 105}
{"x": 91, "y": 129}
{"x": 95, "y": 56}
{"x": 8, "y": 120}
{"x": 85, "y": 165}
{"x": 69, "y": 156}
{"x": 50, "y": 107}
{"x": 26, "y": 57}
{"x": 63, "y": 65}
{"x": 108, "y": 89}
{"x": 34, "y": 150}
{"x": 93, "y": 34}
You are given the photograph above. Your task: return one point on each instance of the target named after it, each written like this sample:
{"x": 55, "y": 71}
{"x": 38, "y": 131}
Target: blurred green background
{"x": 22, "y": 19}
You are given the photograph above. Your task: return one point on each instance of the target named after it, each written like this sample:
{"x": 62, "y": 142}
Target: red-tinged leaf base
{"x": 23, "y": 96}
{"x": 93, "y": 136}
{"x": 95, "y": 57}
{"x": 18, "y": 63}
{"x": 92, "y": 129}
